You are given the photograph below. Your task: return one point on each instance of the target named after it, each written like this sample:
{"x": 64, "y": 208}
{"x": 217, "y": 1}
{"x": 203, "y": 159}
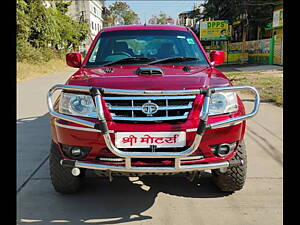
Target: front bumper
{"x": 150, "y": 170}
{"x": 128, "y": 156}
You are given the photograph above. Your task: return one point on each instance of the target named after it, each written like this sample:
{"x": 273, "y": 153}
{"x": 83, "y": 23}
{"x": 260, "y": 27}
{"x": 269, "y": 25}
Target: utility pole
{"x": 81, "y": 18}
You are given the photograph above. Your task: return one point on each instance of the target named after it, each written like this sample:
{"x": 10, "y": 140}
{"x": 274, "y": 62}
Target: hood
{"x": 126, "y": 77}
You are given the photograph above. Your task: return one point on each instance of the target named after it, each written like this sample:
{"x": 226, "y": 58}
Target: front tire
{"x": 62, "y": 179}
{"x": 234, "y": 178}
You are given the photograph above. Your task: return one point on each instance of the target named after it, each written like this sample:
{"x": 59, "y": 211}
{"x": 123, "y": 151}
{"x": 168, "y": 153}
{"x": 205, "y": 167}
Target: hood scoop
{"x": 149, "y": 71}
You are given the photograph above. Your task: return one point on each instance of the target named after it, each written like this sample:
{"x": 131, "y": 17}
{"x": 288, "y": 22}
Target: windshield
{"x": 145, "y": 46}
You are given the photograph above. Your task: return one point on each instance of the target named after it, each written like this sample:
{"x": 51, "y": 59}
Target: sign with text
{"x": 278, "y": 18}
{"x": 146, "y": 139}
{"x": 214, "y": 30}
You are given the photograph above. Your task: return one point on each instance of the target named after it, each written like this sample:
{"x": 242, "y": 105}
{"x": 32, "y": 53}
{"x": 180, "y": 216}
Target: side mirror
{"x": 217, "y": 57}
{"x": 73, "y": 59}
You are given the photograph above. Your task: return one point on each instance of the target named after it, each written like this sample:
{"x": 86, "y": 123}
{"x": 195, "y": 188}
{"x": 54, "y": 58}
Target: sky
{"x": 146, "y": 8}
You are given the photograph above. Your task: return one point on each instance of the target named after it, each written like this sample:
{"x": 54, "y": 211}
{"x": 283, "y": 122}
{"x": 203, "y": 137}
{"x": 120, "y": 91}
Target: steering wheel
{"x": 122, "y": 53}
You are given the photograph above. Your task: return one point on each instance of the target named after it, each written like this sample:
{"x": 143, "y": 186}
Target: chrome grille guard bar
{"x": 96, "y": 93}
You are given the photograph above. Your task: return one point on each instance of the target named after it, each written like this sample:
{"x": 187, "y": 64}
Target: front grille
{"x": 149, "y": 108}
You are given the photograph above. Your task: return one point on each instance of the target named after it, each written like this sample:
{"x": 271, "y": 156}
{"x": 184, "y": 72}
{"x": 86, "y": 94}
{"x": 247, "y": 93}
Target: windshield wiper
{"x": 174, "y": 59}
{"x": 132, "y": 59}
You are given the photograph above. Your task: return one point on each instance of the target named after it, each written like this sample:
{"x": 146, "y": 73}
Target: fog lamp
{"x": 75, "y": 152}
{"x": 223, "y": 149}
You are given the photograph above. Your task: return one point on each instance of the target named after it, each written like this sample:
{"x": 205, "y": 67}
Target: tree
{"x": 42, "y": 24}
{"x": 23, "y": 21}
{"x": 250, "y": 13}
{"x": 162, "y": 18}
{"x": 121, "y": 9}
{"x": 108, "y": 19}
{"x": 41, "y": 30}
{"x": 71, "y": 33}
{"x": 62, "y": 6}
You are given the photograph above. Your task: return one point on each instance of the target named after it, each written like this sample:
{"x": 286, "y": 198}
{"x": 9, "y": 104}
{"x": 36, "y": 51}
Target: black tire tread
{"x": 234, "y": 178}
{"x": 61, "y": 177}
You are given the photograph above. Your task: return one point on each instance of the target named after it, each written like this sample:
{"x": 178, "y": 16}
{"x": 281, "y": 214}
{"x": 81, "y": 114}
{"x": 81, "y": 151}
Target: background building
{"x": 184, "y": 19}
{"x": 277, "y": 25}
{"x": 85, "y": 11}
{"x": 191, "y": 18}
{"x": 89, "y": 12}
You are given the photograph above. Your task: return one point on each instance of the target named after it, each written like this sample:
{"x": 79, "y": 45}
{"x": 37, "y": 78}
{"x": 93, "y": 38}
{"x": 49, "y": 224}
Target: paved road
{"x": 150, "y": 200}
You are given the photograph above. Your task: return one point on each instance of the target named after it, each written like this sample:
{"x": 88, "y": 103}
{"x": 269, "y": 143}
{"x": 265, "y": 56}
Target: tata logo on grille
{"x": 149, "y": 108}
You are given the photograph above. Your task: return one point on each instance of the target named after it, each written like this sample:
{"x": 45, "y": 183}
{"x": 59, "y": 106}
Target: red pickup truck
{"x": 147, "y": 100}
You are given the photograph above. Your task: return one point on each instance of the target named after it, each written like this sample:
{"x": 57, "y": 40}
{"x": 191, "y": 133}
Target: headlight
{"x": 77, "y": 105}
{"x": 223, "y": 102}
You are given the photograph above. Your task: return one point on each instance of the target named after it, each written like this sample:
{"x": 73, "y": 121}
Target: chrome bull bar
{"x": 96, "y": 93}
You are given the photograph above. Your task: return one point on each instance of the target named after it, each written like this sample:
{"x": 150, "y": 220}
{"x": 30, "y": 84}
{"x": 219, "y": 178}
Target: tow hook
{"x": 232, "y": 163}
{"x": 110, "y": 177}
{"x": 236, "y": 162}
{"x": 192, "y": 176}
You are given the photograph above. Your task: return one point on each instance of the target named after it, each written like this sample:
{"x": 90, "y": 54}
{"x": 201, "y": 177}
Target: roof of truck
{"x": 145, "y": 27}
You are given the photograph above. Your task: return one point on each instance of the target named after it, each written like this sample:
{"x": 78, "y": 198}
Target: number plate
{"x": 145, "y": 139}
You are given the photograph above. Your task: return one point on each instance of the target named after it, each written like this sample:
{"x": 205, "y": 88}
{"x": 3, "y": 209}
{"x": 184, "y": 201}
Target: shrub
{"x": 27, "y": 53}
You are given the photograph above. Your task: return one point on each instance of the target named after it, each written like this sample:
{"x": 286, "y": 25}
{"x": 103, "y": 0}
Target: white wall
{"x": 95, "y": 17}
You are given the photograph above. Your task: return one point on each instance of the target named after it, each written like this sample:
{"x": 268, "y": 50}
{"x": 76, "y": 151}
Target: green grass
{"x": 268, "y": 83}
